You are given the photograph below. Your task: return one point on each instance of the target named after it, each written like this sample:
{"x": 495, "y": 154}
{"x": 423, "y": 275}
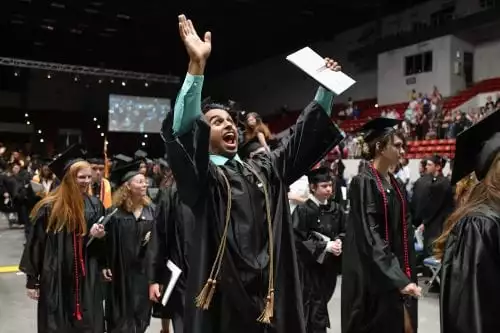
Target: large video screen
{"x": 137, "y": 114}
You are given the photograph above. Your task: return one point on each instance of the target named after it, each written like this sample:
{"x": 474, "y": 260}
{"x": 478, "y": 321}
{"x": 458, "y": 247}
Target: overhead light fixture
{"x": 102, "y": 134}
{"x": 124, "y": 83}
{"x": 123, "y": 16}
{"x": 58, "y": 5}
{"x": 39, "y": 131}
{"x": 146, "y": 84}
{"x": 143, "y": 143}
{"x": 49, "y": 76}
{"x": 26, "y": 115}
{"x": 146, "y": 136}
{"x": 28, "y": 122}
{"x": 98, "y": 126}
{"x": 41, "y": 140}
{"x": 95, "y": 119}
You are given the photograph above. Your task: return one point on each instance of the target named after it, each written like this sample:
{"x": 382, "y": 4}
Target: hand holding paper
{"x": 327, "y": 74}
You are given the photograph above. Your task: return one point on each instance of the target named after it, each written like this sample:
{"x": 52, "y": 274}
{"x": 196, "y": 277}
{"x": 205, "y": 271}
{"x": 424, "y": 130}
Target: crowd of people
{"x": 101, "y": 254}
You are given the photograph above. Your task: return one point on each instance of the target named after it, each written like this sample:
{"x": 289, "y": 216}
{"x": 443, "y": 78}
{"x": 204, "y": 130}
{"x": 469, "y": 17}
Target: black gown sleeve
{"x": 159, "y": 244}
{"x": 188, "y": 156}
{"x": 342, "y": 224}
{"x": 307, "y": 243}
{"x": 470, "y": 277}
{"x": 313, "y": 136}
{"x": 97, "y": 248}
{"x": 374, "y": 250}
{"x": 34, "y": 250}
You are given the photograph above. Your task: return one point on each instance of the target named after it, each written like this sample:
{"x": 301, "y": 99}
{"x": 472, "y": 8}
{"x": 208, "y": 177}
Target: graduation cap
{"x": 96, "y": 160}
{"x": 319, "y": 175}
{"x": 120, "y": 158}
{"x": 163, "y": 163}
{"x": 123, "y": 173}
{"x": 66, "y": 159}
{"x": 476, "y": 148}
{"x": 378, "y": 127}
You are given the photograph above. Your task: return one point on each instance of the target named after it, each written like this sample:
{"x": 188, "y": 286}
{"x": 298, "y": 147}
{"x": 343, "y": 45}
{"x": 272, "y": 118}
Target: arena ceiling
{"x": 143, "y": 36}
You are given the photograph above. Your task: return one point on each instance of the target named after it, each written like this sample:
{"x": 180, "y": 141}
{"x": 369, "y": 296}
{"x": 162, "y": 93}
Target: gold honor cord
{"x": 204, "y": 299}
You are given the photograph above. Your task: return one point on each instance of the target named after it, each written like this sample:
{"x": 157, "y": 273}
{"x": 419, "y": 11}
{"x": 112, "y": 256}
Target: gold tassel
{"x": 268, "y": 312}
{"x": 201, "y": 299}
{"x": 210, "y": 295}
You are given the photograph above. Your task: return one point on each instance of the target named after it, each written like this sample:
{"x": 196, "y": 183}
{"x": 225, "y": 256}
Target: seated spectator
{"x": 489, "y": 104}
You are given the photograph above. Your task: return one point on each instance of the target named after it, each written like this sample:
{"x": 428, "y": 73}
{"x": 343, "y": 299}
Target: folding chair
{"x": 435, "y": 267}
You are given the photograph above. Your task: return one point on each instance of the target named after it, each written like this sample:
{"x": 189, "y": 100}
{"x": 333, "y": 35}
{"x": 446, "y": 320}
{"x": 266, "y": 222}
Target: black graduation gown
{"x": 173, "y": 225}
{"x": 128, "y": 308}
{"x": 318, "y": 269}
{"x": 240, "y": 295}
{"x": 372, "y": 270}
{"x": 470, "y": 297}
{"x": 437, "y": 204}
{"x": 48, "y": 262}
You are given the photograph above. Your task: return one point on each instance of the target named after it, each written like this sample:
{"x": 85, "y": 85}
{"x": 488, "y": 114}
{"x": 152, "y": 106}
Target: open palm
{"x": 198, "y": 49}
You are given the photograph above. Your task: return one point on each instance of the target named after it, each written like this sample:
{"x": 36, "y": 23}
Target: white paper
{"x": 176, "y": 272}
{"x": 419, "y": 237}
{"x": 36, "y": 187}
{"x": 314, "y": 65}
{"x": 321, "y": 236}
{"x": 343, "y": 189}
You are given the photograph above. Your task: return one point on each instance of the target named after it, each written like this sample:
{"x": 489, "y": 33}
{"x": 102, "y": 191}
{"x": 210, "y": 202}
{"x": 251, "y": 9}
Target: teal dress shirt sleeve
{"x": 188, "y": 104}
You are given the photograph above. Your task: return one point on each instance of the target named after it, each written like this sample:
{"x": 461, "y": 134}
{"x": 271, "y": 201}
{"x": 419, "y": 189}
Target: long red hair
{"x": 66, "y": 204}
{"x": 485, "y": 192}
{"x": 260, "y": 127}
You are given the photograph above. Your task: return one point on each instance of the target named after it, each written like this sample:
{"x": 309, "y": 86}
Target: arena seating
{"x": 420, "y": 149}
{"x": 416, "y": 149}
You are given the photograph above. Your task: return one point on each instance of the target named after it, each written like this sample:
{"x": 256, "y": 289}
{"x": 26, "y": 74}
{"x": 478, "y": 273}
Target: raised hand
{"x": 197, "y": 49}
{"x": 333, "y": 65}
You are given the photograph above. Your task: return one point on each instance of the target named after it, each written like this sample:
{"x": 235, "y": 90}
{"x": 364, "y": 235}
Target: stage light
{"x": 49, "y": 76}
{"x": 39, "y": 131}
{"x": 143, "y": 143}
{"x": 41, "y": 140}
{"x": 146, "y": 84}
{"x": 102, "y": 134}
{"x": 124, "y": 83}
{"x": 100, "y": 81}
{"x": 26, "y": 115}
{"x": 98, "y": 126}
{"x": 376, "y": 105}
{"x": 95, "y": 119}
{"x": 146, "y": 136}
{"x": 28, "y": 123}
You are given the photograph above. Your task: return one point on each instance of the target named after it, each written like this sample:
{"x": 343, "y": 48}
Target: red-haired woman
{"x": 63, "y": 274}
{"x": 257, "y": 135}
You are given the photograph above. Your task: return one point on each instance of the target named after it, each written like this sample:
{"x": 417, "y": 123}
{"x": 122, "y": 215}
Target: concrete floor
{"x": 18, "y": 312}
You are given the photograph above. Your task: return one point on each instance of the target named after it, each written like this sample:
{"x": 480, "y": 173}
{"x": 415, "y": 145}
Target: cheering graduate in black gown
{"x": 470, "y": 244}
{"x": 378, "y": 268}
{"x": 63, "y": 274}
{"x": 319, "y": 231}
{"x": 242, "y": 260}
{"x": 174, "y": 225}
{"x": 129, "y": 232}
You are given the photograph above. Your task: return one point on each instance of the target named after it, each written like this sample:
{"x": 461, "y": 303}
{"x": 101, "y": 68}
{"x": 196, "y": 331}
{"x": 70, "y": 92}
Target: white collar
{"x": 316, "y": 201}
